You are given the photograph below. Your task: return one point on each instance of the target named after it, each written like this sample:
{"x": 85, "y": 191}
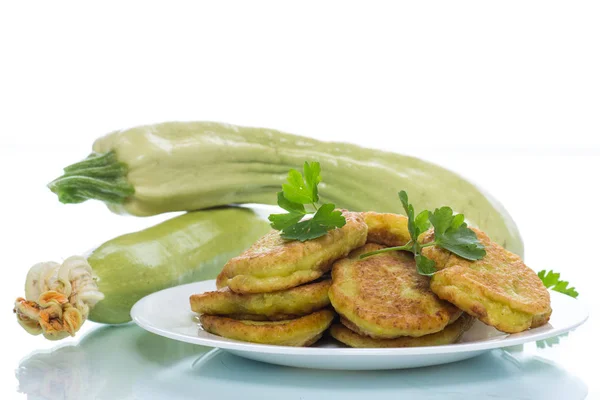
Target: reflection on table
{"x": 126, "y": 362}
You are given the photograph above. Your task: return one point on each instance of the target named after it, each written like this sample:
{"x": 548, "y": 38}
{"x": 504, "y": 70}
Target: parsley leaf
{"x": 410, "y": 213}
{"x": 425, "y": 266}
{"x": 312, "y": 175}
{"x": 325, "y": 219}
{"x": 289, "y": 205}
{"x": 452, "y": 234}
{"x": 552, "y": 281}
{"x": 282, "y": 221}
{"x": 295, "y": 213}
{"x": 417, "y": 225}
{"x": 298, "y": 191}
{"x": 422, "y": 223}
{"x": 303, "y": 190}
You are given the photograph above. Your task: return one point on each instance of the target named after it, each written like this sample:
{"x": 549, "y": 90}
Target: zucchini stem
{"x": 100, "y": 176}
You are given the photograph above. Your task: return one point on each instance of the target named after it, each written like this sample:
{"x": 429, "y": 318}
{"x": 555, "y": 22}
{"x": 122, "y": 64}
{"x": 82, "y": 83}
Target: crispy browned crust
{"x": 350, "y": 325}
{"x": 386, "y": 228}
{"x": 302, "y": 331}
{"x": 500, "y": 290}
{"x": 273, "y": 264}
{"x": 451, "y": 334}
{"x": 540, "y": 319}
{"x": 274, "y": 306}
{"x": 384, "y": 297}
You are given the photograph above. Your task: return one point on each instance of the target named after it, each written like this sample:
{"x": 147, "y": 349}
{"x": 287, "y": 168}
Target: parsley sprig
{"x": 450, "y": 230}
{"x": 450, "y": 233}
{"x": 296, "y": 193}
{"x": 552, "y": 281}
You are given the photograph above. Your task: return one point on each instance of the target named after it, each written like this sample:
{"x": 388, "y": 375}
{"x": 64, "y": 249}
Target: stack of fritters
{"x": 269, "y": 295}
{"x": 384, "y": 302}
{"x": 278, "y": 292}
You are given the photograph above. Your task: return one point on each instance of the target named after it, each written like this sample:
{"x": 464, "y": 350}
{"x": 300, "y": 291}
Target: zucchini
{"x": 188, "y": 248}
{"x": 179, "y": 166}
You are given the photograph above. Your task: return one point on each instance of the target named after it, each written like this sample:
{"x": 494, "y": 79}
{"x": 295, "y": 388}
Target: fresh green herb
{"x": 450, "y": 232}
{"x": 303, "y": 190}
{"x": 295, "y": 213}
{"x": 297, "y": 192}
{"x": 425, "y": 266}
{"x": 325, "y": 219}
{"x": 552, "y": 281}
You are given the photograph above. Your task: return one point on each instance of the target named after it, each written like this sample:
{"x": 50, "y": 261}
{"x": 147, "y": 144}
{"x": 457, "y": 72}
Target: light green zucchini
{"x": 188, "y": 248}
{"x": 177, "y": 166}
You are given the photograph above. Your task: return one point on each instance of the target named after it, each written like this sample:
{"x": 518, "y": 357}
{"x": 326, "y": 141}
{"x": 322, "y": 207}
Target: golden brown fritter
{"x": 274, "y": 306}
{"x": 451, "y": 334}
{"x": 387, "y": 229}
{"x": 384, "y": 297}
{"x": 302, "y": 331}
{"x": 273, "y": 263}
{"x": 499, "y": 289}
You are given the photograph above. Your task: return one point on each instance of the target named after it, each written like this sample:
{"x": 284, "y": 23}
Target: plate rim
{"x": 230, "y": 344}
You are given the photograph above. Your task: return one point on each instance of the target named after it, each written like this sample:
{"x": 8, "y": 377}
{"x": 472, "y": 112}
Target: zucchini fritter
{"x": 500, "y": 290}
{"x": 384, "y": 297}
{"x": 387, "y": 229}
{"x": 451, "y": 334}
{"x": 273, "y": 263}
{"x": 274, "y": 306}
{"x": 299, "y": 332}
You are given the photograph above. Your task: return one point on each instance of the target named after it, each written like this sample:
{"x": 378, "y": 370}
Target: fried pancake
{"x": 500, "y": 290}
{"x": 302, "y": 331}
{"x": 273, "y": 263}
{"x": 387, "y": 229}
{"x": 384, "y": 297}
{"x": 451, "y": 334}
{"x": 274, "y": 306}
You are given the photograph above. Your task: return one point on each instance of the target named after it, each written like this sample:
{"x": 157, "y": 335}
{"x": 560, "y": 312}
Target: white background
{"x": 506, "y": 93}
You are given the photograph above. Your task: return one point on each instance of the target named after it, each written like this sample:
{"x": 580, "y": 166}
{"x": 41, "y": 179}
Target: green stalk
{"x": 410, "y": 246}
{"x": 100, "y": 177}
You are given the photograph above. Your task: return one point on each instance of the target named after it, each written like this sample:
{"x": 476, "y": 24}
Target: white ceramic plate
{"x": 167, "y": 313}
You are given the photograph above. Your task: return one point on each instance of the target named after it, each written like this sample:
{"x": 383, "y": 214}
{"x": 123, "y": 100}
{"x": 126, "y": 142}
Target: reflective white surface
{"x": 127, "y": 362}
